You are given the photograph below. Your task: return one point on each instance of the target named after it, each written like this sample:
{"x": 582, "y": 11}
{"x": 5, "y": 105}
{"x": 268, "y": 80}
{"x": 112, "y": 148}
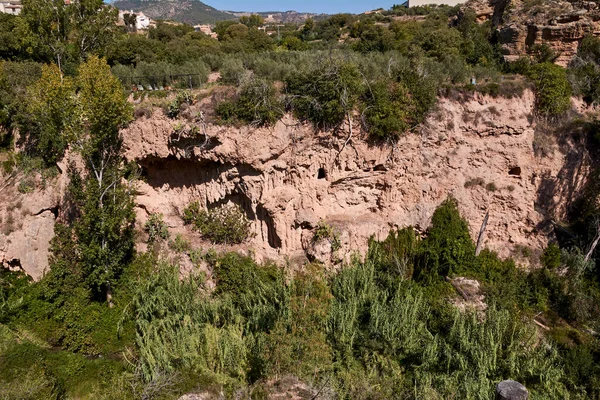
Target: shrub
{"x": 491, "y": 187}
{"x": 179, "y": 244}
{"x": 388, "y": 107}
{"x": 551, "y": 257}
{"x": 182, "y": 98}
{"x": 474, "y": 182}
{"x": 448, "y": 248}
{"x": 227, "y": 224}
{"x": 156, "y": 228}
{"x": 326, "y": 94}
{"x": 553, "y": 91}
{"x": 257, "y": 104}
{"x": 584, "y": 70}
{"x": 327, "y": 232}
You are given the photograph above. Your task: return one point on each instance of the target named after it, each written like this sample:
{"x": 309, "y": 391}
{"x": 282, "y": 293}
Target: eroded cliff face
{"x": 289, "y": 178}
{"x": 561, "y": 24}
{"x": 27, "y": 224}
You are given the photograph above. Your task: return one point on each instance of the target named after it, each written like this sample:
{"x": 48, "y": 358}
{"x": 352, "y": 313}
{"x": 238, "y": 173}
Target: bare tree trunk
{"x": 482, "y": 233}
{"x": 594, "y": 243}
{"x": 109, "y": 296}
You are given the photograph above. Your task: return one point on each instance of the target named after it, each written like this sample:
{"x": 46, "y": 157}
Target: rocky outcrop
{"x": 521, "y": 25}
{"x": 288, "y": 178}
{"x": 471, "y": 297}
{"x": 27, "y": 225}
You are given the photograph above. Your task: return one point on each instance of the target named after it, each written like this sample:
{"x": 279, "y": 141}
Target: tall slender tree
{"x": 105, "y": 229}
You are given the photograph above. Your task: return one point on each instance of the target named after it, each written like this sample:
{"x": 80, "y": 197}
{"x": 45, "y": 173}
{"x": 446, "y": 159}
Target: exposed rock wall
{"x": 27, "y": 225}
{"x": 520, "y": 25}
{"x": 288, "y": 178}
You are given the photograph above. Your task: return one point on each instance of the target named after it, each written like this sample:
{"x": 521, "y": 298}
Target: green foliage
{"x": 179, "y": 244}
{"x": 394, "y": 258}
{"x": 553, "y": 91}
{"x": 448, "y": 248}
{"x": 183, "y": 98}
{"x": 104, "y": 107}
{"x": 584, "y": 70}
{"x": 386, "y": 115}
{"x": 51, "y": 114}
{"x": 104, "y": 230}
{"x": 156, "y": 228}
{"x": 326, "y": 94}
{"x": 393, "y": 107}
{"x": 174, "y": 330}
{"x": 257, "y": 105}
{"x": 323, "y": 231}
{"x": 298, "y": 344}
{"x": 227, "y": 224}
{"x": 252, "y": 21}
{"x": 386, "y": 328}
{"x": 551, "y": 257}
{"x": 67, "y": 32}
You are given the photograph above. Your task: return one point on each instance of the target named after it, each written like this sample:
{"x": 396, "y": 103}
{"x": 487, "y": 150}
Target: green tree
{"x": 553, "y": 91}
{"x": 66, "y": 32}
{"x": 448, "y": 248}
{"x": 326, "y": 94}
{"x": 252, "y": 21}
{"x": 130, "y": 21}
{"x": 51, "y": 110}
{"x": 105, "y": 230}
{"x": 11, "y": 39}
{"x": 387, "y": 111}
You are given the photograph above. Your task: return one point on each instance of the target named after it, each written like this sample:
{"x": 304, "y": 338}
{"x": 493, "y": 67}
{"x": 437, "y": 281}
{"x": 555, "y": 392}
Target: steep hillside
{"x": 187, "y": 11}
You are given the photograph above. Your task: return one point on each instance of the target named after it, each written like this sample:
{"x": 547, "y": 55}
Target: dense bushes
{"x": 393, "y": 107}
{"x": 227, "y": 224}
{"x": 553, "y": 91}
{"x": 584, "y": 70}
{"x": 366, "y": 331}
{"x": 256, "y": 104}
{"x": 325, "y": 95}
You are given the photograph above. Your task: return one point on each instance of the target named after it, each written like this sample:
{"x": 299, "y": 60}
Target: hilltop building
{"x": 206, "y": 29}
{"x": 11, "y": 7}
{"x": 141, "y": 20}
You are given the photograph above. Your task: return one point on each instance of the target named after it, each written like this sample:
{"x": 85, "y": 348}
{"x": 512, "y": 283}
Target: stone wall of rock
{"x": 288, "y": 178}
{"x": 521, "y": 24}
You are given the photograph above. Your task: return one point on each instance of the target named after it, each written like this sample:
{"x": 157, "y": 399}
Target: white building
{"x": 11, "y": 7}
{"x": 141, "y": 20}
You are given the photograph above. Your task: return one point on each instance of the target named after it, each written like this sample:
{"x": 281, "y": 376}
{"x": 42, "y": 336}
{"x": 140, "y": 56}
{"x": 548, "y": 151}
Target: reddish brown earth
{"x": 288, "y": 178}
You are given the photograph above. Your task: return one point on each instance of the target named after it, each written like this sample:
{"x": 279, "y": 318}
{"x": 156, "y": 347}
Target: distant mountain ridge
{"x": 196, "y": 12}
{"x": 188, "y": 11}
{"x": 285, "y": 17}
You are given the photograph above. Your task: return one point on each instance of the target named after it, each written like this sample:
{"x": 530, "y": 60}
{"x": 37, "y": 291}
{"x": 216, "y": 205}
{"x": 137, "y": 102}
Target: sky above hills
{"x": 315, "y": 6}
